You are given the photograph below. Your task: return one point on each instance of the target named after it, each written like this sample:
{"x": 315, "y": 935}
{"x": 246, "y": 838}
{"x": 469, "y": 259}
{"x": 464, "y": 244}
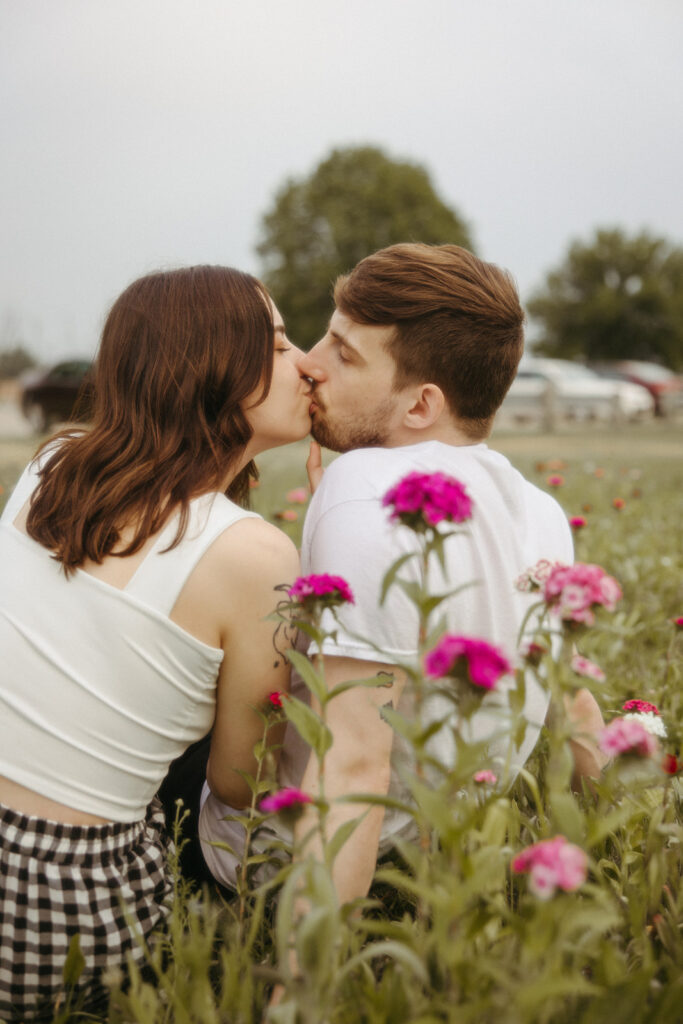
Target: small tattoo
{"x": 386, "y": 679}
{"x": 285, "y": 634}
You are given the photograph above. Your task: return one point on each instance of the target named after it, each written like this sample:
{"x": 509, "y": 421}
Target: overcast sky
{"x": 143, "y": 133}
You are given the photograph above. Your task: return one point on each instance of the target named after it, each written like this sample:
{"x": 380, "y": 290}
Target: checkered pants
{"x": 108, "y": 883}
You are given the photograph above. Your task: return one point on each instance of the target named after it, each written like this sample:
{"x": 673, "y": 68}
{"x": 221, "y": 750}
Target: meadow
{"x": 452, "y": 932}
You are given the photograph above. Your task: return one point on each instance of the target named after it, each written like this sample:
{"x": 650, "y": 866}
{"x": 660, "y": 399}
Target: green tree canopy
{"x": 14, "y": 361}
{"x": 356, "y": 201}
{"x": 615, "y": 297}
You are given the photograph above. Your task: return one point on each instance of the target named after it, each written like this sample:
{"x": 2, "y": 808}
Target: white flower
{"x": 653, "y": 723}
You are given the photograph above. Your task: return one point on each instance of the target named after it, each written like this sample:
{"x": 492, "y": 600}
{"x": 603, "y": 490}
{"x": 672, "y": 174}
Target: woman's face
{"x": 283, "y": 416}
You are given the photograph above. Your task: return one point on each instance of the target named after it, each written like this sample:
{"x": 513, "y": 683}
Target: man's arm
{"x": 359, "y": 761}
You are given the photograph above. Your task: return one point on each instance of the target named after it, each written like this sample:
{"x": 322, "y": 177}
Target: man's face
{"x": 353, "y": 404}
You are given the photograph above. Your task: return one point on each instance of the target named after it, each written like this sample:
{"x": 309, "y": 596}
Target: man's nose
{"x": 311, "y": 365}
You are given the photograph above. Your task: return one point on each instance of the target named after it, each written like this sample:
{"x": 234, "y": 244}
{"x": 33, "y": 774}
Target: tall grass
{"x": 451, "y": 933}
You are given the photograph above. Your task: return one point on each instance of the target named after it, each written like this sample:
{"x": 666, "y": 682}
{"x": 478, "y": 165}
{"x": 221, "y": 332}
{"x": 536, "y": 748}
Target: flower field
{"x": 524, "y": 903}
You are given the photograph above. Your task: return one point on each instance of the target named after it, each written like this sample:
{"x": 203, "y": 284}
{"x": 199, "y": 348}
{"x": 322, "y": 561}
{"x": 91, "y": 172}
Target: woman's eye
{"x": 342, "y": 357}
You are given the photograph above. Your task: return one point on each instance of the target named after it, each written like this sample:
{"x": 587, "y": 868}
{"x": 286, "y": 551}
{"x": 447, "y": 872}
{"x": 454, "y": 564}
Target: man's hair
{"x": 458, "y": 322}
{"x": 181, "y": 351}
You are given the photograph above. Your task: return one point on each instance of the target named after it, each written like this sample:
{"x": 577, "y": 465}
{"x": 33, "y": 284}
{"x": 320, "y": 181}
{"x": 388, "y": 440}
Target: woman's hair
{"x": 457, "y": 322}
{"x": 181, "y": 350}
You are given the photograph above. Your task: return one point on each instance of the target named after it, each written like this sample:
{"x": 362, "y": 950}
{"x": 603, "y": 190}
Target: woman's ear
{"x": 428, "y": 404}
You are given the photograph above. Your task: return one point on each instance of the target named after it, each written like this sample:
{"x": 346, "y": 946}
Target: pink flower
{"x": 289, "y": 515}
{"x": 618, "y": 503}
{"x": 552, "y": 864}
{"x": 533, "y": 653}
{"x": 583, "y": 667}
{"x": 670, "y": 764}
{"x": 640, "y": 705}
{"x": 485, "y": 775}
{"x": 627, "y": 736}
{"x": 330, "y": 590}
{"x": 573, "y": 591}
{"x": 283, "y": 800}
{"x": 484, "y": 664}
{"x": 577, "y": 522}
{"x": 678, "y": 622}
{"x": 555, "y": 480}
{"x": 426, "y": 499}
{"x": 275, "y": 699}
{"x": 299, "y": 496}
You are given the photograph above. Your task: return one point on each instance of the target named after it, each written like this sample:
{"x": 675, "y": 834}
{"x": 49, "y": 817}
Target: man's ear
{"x": 427, "y": 406}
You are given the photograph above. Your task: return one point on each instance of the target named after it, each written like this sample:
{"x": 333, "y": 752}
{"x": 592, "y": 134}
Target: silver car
{"x": 571, "y": 391}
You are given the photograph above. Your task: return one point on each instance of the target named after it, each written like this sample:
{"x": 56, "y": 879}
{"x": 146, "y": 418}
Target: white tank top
{"x": 99, "y": 689}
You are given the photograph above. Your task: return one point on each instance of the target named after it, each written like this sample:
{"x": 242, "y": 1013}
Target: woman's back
{"x": 111, "y": 715}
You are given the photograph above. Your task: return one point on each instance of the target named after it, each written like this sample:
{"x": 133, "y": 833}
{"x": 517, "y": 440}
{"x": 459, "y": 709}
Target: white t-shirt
{"x": 347, "y": 533}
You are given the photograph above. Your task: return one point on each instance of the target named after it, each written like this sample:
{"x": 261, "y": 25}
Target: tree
{"x": 14, "y": 361}
{"x": 356, "y": 201}
{"x": 615, "y": 297}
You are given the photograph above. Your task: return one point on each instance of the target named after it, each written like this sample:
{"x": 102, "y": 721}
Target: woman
{"x": 132, "y": 615}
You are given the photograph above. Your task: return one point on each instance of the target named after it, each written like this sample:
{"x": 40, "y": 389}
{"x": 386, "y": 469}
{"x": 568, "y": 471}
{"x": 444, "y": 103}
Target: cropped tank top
{"x": 99, "y": 689}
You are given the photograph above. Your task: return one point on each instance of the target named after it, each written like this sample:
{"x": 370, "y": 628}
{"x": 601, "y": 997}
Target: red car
{"x": 665, "y": 386}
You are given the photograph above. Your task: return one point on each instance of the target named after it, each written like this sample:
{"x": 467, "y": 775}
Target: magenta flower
{"x": 627, "y": 736}
{"x": 330, "y": 590}
{"x": 583, "y": 667}
{"x": 577, "y": 522}
{"x": 572, "y": 592}
{"x": 555, "y": 480}
{"x": 552, "y": 864}
{"x": 483, "y": 664}
{"x": 640, "y": 705}
{"x": 284, "y": 800}
{"x": 485, "y": 775}
{"x": 275, "y": 699}
{"x": 678, "y": 622}
{"x": 422, "y": 500}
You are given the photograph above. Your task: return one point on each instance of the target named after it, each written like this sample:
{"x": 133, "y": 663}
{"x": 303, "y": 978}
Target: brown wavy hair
{"x": 180, "y": 352}
{"x": 458, "y": 322}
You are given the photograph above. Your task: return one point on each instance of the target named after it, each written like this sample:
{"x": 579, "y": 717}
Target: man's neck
{"x": 450, "y": 432}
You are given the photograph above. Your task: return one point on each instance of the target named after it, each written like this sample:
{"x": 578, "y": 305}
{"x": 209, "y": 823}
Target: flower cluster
{"x": 323, "y": 588}
{"x": 574, "y": 591}
{"x": 627, "y": 736}
{"x": 577, "y": 522}
{"x": 476, "y": 660}
{"x": 275, "y": 699}
{"x": 422, "y": 500}
{"x": 584, "y": 667}
{"x": 638, "y": 705}
{"x": 485, "y": 775}
{"x": 284, "y": 800}
{"x": 534, "y": 578}
{"x": 647, "y": 714}
{"x": 552, "y": 864}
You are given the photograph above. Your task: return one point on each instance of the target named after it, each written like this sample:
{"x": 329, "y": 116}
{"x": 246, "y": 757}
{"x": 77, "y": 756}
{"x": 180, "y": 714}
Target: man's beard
{"x": 371, "y": 431}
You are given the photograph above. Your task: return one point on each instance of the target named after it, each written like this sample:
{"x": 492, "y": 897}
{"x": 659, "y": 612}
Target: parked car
{"x": 665, "y": 386}
{"x": 572, "y": 391}
{"x": 50, "y": 396}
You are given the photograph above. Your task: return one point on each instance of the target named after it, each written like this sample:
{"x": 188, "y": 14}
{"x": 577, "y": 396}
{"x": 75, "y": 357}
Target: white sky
{"x": 142, "y": 133}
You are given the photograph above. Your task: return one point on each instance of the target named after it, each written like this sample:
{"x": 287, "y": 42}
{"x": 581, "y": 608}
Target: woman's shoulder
{"x": 253, "y": 545}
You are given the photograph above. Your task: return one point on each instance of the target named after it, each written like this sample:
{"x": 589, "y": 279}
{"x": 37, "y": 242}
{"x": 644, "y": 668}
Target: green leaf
{"x": 390, "y": 575}
{"x": 309, "y": 725}
{"x": 313, "y": 679}
{"x": 74, "y": 964}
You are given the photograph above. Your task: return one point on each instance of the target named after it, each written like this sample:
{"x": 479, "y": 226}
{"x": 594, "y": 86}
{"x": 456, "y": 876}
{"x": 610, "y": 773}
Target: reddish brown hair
{"x": 180, "y": 352}
{"x": 458, "y": 320}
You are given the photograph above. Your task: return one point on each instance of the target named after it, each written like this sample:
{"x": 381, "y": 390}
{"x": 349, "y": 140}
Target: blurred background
{"x": 291, "y": 139}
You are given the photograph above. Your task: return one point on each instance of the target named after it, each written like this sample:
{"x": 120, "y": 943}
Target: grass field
{"x": 453, "y": 935}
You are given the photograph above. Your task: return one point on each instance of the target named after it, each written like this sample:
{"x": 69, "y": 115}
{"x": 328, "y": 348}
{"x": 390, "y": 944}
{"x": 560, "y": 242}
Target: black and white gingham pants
{"x": 108, "y": 883}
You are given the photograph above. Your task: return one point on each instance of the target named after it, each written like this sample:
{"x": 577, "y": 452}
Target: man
{"x": 419, "y": 354}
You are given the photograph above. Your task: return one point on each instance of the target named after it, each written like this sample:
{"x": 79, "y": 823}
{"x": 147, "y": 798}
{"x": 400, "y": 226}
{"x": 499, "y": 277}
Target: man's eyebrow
{"x": 345, "y": 341}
